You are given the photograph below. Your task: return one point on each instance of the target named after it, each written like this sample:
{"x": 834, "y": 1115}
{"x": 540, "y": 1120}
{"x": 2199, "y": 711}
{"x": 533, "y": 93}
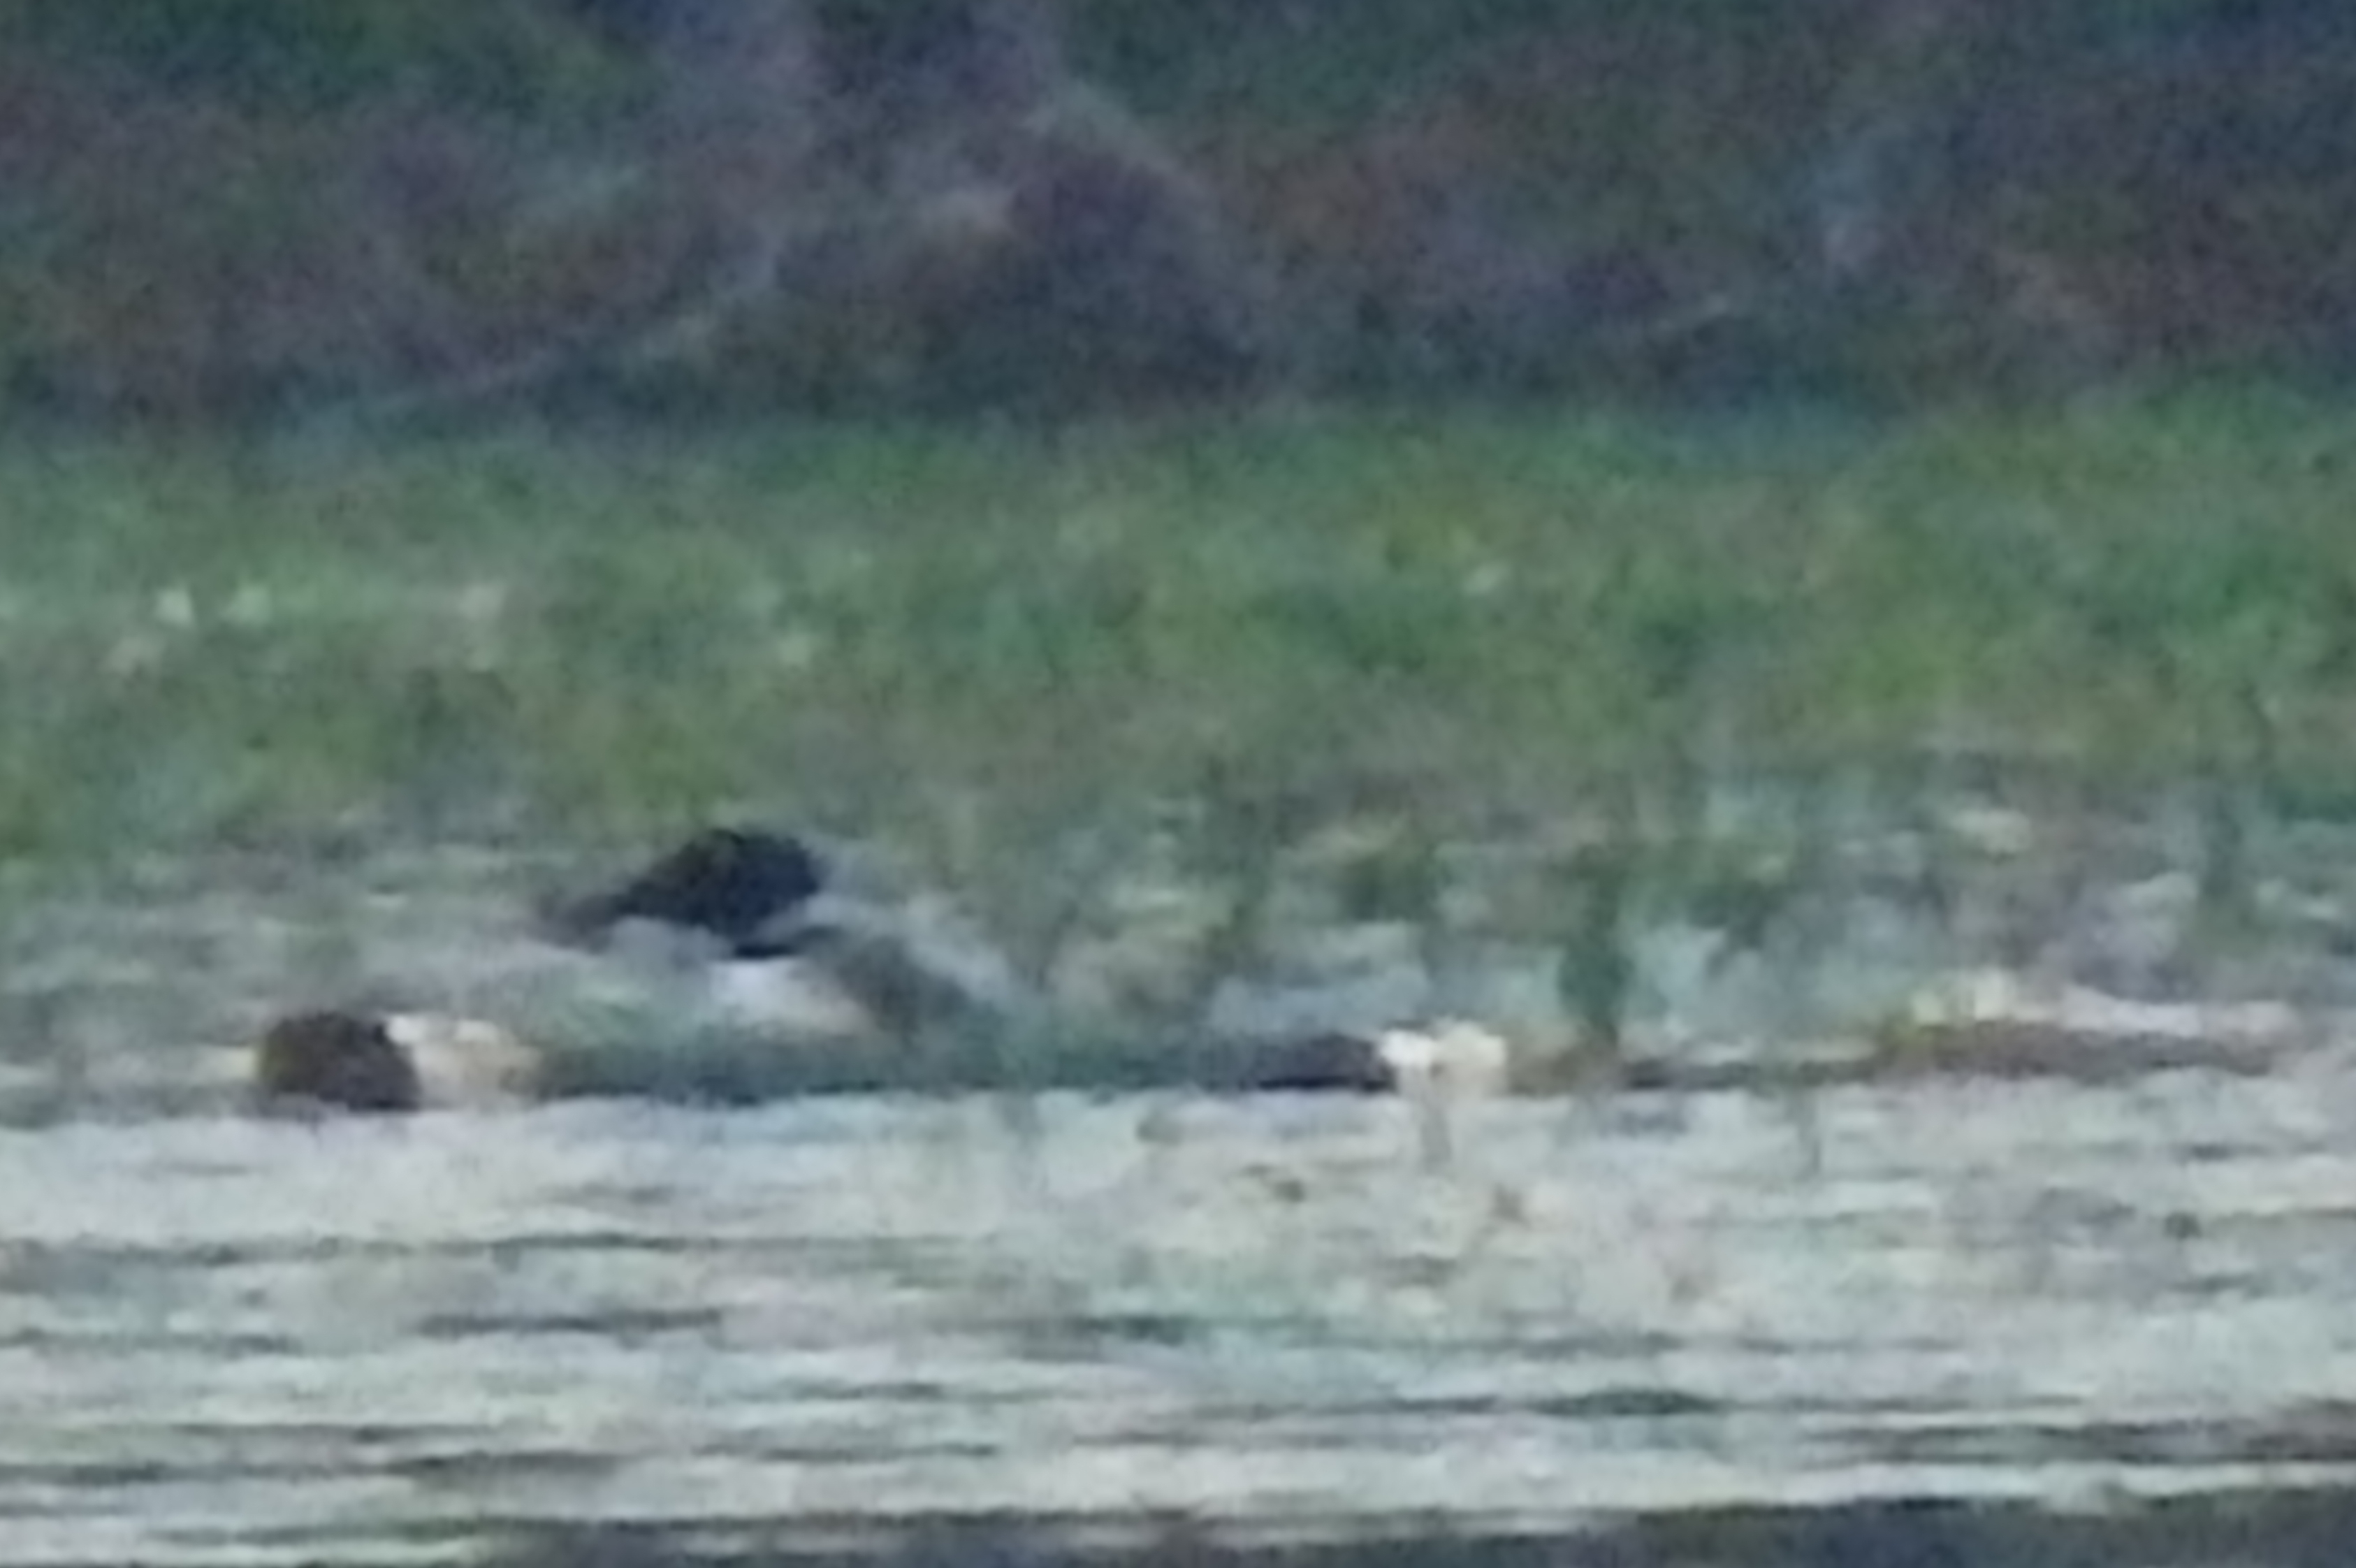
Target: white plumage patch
{"x": 465, "y": 1063}
{"x": 789, "y": 997}
{"x": 1453, "y": 1055}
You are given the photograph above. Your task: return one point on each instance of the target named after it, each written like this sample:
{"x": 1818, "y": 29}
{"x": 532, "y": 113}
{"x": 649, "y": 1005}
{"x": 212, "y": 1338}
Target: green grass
{"x": 973, "y": 640}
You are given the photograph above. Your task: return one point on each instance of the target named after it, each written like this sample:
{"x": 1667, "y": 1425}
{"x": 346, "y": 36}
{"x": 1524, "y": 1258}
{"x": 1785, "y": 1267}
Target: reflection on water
{"x": 224, "y": 1340}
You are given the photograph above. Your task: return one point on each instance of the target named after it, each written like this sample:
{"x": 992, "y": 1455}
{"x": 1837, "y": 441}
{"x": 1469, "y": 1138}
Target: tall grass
{"x": 985, "y": 642}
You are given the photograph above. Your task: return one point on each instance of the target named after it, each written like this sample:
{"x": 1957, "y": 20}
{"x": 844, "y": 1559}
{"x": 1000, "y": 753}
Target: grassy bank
{"x": 999, "y": 639}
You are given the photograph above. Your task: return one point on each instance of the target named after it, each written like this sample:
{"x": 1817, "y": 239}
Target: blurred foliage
{"x": 522, "y": 55}
{"x": 1343, "y": 52}
{"x": 1484, "y": 198}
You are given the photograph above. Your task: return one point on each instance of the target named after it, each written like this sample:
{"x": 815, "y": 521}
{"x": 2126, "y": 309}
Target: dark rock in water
{"x": 1330, "y": 1061}
{"x": 338, "y": 1059}
{"x": 736, "y": 884}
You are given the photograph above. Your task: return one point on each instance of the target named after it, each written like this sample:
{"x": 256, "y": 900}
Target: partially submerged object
{"x": 736, "y": 943}
{"x": 1999, "y": 1024}
{"x": 331, "y": 1059}
{"x": 1330, "y": 1061}
{"x": 1446, "y": 1057}
{"x": 377, "y": 1064}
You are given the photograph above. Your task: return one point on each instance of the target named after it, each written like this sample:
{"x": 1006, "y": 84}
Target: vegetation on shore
{"x": 989, "y": 637}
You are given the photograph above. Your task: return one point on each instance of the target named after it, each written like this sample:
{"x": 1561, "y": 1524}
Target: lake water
{"x": 1952, "y": 1321}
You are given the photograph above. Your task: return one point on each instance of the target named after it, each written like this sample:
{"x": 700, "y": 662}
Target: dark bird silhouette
{"x": 739, "y": 885}
{"x": 335, "y": 1059}
{"x": 1331, "y": 1061}
{"x": 1445, "y": 1055}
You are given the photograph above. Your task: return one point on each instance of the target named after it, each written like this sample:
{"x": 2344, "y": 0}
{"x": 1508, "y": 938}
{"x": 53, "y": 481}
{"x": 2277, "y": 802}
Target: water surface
{"x": 224, "y": 1340}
